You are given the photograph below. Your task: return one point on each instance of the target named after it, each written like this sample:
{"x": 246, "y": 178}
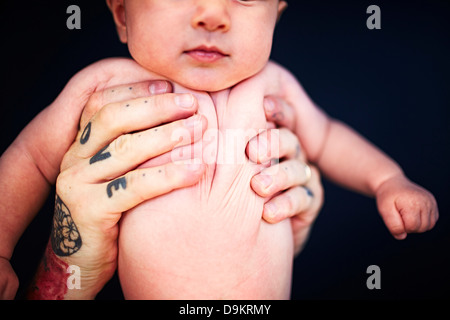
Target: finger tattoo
{"x": 308, "y": 191}
{"x": 278, "y": 116}
{"x": 86, "y": 134}
{"x": 116, "y": 184}
{"x": 101, "y": 155}
{"x": 65, "y": 237}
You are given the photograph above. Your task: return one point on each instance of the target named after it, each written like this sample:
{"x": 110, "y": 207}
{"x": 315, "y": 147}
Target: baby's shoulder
{"x": 273, "y": 79}
{"x": 112, "y": 72}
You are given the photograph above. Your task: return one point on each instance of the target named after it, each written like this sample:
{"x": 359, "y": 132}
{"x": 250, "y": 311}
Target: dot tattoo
{"x": 278, "y": 116}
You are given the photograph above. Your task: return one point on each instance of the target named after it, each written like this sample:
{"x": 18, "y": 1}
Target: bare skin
{"x": 80, "y": 180}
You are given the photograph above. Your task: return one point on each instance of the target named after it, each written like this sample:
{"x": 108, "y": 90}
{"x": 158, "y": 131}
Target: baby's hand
{"x": 406, "y": 207}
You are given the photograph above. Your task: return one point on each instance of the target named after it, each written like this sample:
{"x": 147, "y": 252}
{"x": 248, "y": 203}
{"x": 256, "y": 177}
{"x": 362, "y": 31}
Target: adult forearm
{"x": 56, "y": 279}
{"x": 352, "y": 161}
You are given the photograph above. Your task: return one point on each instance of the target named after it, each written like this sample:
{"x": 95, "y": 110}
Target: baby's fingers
{"x": 419, "y": 213}
{"x": 392, "y": 219}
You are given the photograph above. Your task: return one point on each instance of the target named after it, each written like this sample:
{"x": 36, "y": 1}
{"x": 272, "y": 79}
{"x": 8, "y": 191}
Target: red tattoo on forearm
{"x": 50, "y": 282}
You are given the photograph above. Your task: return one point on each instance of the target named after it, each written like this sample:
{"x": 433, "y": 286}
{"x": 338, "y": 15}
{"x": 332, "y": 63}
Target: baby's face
{"x": 206, "y": 45}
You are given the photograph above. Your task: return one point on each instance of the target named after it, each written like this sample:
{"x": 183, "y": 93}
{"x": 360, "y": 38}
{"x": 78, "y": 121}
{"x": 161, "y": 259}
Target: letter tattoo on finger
{"x": 116, "y": 184}
{"x": 86, "y": 134}
{"x": 101, "y": 155}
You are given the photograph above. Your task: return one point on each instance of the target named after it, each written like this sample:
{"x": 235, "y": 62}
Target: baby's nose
{"x": 212, "y": 15}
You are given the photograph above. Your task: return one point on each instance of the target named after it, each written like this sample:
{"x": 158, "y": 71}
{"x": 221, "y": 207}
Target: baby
{"x": 219, "y": 247}
{"x": 208, "y": 240}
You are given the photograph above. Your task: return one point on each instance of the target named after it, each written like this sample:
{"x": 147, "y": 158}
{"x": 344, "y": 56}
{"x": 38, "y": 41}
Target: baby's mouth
{"x": 206, "y": 54}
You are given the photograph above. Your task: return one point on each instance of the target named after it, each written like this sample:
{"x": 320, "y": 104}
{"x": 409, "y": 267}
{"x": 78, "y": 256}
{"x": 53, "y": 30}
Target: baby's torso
{"x": 208, "y": 241}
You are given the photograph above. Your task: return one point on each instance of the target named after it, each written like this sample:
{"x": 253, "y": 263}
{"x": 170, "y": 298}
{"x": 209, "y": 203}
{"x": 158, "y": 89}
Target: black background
{"x": 391, "y": 85}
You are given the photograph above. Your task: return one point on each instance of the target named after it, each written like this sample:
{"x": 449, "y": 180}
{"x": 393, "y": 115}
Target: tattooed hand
{"x": 65, "y": 238}
{"x": 98, "y": 180}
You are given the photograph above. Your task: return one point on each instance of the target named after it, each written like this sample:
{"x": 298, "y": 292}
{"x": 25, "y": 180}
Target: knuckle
{"x": 286, "y": 172}
{"x": 412, "y": 223}
{"x": 123, "y": 145}
{"x": 273, "y": 142}
{"x": 65, "y": 182}
{"x": 64, "y": 177}
{"x": 160, "y": 101}
{"x": 94, "y": 102}
{"x": 107, "y": 115}
{"x": 288, "y": 135}
{"x": 290, "y": 204}
{"x": 132, "y": 181}
{"x": 171, "y": 174}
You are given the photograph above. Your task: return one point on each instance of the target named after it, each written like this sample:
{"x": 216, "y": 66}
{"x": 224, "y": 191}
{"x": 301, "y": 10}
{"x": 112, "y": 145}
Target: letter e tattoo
{"x": 121, "y": 182}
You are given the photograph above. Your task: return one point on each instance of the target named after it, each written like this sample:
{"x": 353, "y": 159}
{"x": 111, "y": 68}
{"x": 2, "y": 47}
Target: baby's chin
{"x": 206, "y": 85}
{"x": 203, "y": 80}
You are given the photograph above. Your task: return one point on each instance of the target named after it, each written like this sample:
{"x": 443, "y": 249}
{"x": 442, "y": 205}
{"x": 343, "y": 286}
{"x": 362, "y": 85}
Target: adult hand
{"x": 292, "y": 187}
{"x": 99, "y": 180}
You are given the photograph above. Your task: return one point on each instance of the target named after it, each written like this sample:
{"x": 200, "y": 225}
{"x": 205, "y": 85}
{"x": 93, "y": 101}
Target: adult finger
{"x": 287, "y": 204}
{"x": 130, "y": 150}
{"x": 139, "y": 185}
{"x": 300, "y": 203}
{"x": 122, "y": 93}
{"x": 129, "y": 116}
{"x": 279, "y": 177}
{"x": 279, "y": 112}
{"x": 274, "y": 144}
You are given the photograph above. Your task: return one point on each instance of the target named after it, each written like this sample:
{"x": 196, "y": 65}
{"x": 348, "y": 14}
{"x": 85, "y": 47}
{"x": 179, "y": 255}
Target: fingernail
{"x": 401, "y": 236}
{"x": 158, "y": 87}
{"x": 184, "y": 100}
{"x": 193, "y": 121}
{"x": 264, "y": 180}
{"x": 269, "y": 105}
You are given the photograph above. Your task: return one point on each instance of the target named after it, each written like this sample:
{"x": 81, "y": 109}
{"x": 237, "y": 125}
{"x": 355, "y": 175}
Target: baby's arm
{"x": 31, "y": 164}
{"x": 353, "y": 162}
